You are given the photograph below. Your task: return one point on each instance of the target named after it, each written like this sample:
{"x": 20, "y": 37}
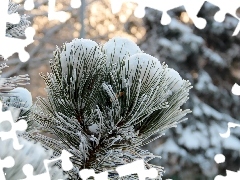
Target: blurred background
{"x": 208, "y": 58}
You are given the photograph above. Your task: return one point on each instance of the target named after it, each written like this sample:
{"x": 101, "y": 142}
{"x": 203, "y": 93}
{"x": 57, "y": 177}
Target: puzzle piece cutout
{"x": 86, "y": 173}
{"x": 53, "y": 15}
{"x": 7, "y": 162}
{"x": 76, "y": 3}
{"x": 230, "y": 175}
{"x": 230, "y": 125}
{"x": 137, "y": 167}
{"x": 5, "y": 17}
{"x": 236, "y": 89}
{"x": 66, "y": 166}
{"x": 192, "y": 9}
{"x": 226, "y": 7}
{"x": 220, "y": 158}
{"x": 9, "y": 45}
{"x": 15, "y": 126}
{"x": 160, "y": 5}
{"x": 28, "y": 5}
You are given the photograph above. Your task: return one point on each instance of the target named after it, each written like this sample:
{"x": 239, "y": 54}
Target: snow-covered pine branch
{"x": 103, "y": 103}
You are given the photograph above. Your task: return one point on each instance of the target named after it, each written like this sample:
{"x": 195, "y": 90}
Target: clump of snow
{"x": 218, "y": 28}
{"x": 191, "y": 38}
{"x": 193, "y": 139}
{"x": 210, "y": 112}
{"x": 78, "y": 49}
{"x": 211, "y": 152}
{"x": 193, "y": 41}
{"x": 173, "y": 46}
{"x": 117, "y": 49}
{"x": 93, "y": 128}
{"x": 206, "y": 109}
{"x": 165, "y": 42}
{"x": 214, "y": 57}
{"x": 170, "y": 146}
{"x": 232, "y": 143}
{"x": 202, "y": 127}
{"x": 24, "y": 95}
{"x": 172, "y": 49}
{"x": 175, "y": 80}
{"x": 230, "y": 22}
{"x": 197, "y": 111}
{"x": 19, "y": 98}
{"x": 144, "y": 65}
{"x": 205, "y": 82}
{"x": 177, "y": 25}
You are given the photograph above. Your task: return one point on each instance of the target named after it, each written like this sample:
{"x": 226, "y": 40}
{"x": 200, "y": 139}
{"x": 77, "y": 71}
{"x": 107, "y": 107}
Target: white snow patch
{"x": 232, "y": 143}
{"x": 172, "y": 49}
{"x": 118, "y": 48}
{"x": 170, "y": 146}
{"x": 177, "y": 25}
{"x": 175, "y": 80}
{"x": 93, "y": 128}
{"x": 191, "y": 38}
{"x": 173, "y": 46}
{"x": 193, "y": 139}
{"x": 197, "y": 112}
{"x": 214, "y": 57}
{"x": 149, "y": 66}
{"x": 205, "y": 82}
{"x": 210, "y": 112}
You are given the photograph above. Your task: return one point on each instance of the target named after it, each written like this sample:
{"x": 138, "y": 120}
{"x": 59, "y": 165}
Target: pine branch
{"x": 104, "y": 102}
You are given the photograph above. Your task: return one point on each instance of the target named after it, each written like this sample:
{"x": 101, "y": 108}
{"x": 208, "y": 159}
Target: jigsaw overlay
{"x": 9, "y": 45}
{"x": 192, "y": 8}
{"x": 9, "y": 162}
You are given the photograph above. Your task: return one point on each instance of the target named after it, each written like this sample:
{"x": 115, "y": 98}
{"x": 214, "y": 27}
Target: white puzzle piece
{"x": 7, "y": 162}
{"x": 66, "y": 166}
{"x": 9, "y": 45}
{"x": 192, "y": 8}
{"x": 15, "y": 126}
